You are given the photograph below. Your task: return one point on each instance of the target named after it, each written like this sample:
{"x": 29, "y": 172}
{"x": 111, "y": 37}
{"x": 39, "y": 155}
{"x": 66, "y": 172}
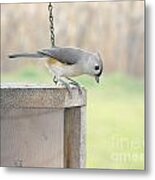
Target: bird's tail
{"x": 27, "y": 55}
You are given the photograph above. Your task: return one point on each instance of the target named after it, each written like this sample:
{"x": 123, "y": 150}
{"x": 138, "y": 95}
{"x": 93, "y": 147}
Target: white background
{"x": 40, "y": 174}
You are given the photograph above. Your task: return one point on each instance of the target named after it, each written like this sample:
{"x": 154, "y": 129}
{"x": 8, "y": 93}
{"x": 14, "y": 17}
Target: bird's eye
{"x": 97, "y": 67}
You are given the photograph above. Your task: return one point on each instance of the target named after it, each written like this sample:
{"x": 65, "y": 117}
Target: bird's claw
{"x": 55, "y": 80}
{"x": 78, "y": 86}
{"x": 75, "y": 84}
{"x": 67, "y": 87}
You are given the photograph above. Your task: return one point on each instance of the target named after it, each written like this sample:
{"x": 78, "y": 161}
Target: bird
{"x": 68, "y": 62}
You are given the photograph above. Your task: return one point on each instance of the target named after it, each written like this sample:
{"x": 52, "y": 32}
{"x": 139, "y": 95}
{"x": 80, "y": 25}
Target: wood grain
{"x": 74, "y": 138}
{"x": 32, "y": 138}
{"x": 13, "y": 96}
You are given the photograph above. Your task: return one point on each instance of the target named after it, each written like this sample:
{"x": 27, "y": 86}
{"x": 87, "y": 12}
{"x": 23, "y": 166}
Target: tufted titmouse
{"x": 68, "y": 62}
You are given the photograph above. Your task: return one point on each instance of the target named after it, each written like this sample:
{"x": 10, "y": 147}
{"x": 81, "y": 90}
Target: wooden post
{"x": 74, "y": 137}
{"x": 42, "y": 126}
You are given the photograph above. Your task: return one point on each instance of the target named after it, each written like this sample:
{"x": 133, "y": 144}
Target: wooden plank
{"x": 13, "y": 96}
{"x": 32, "y": 137}
{"x": 74, "y": 139}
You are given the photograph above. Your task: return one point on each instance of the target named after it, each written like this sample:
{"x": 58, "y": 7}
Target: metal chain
{"x": 52, "y": 37}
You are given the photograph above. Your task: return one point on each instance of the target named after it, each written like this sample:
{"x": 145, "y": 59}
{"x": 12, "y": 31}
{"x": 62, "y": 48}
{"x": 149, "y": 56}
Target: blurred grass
{"x": 115, "y": 117}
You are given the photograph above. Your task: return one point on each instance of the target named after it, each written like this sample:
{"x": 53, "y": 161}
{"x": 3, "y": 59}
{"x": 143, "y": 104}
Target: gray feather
{"x": 27, "y": 55}
{"x": 65, "y": 55}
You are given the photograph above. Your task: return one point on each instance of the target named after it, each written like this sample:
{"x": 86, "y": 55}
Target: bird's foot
{"x": 75, "y": 84}
{"x": 55, "y": 80}
{"x": 67, "y": 86}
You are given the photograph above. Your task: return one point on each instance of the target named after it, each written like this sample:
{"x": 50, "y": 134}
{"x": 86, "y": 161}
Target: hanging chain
{"x": 52, "y": 37}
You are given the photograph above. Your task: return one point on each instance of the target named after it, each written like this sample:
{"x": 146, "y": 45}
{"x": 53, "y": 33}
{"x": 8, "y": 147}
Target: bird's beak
{"x": 97, "y": 79}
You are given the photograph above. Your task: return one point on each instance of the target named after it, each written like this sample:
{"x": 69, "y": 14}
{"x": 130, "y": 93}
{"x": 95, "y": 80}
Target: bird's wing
{"x": 64, "y": 55}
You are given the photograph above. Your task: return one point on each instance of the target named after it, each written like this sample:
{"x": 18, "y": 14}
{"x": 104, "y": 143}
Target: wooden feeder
{"x": 42, "y": 126}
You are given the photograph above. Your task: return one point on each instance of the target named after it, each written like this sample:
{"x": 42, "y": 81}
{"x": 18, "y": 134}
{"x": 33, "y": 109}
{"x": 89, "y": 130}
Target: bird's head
{"x": 96, "y": 66}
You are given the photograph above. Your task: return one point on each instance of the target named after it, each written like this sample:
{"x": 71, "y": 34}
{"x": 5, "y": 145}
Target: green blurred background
{"x": 115, "y": 110}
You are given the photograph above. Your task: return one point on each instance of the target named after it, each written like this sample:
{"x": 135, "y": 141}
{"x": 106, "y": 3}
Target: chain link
{"x": 52, "y": 37}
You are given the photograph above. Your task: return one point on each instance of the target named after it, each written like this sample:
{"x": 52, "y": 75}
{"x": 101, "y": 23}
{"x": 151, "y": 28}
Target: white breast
{"x": 66, "y": 70}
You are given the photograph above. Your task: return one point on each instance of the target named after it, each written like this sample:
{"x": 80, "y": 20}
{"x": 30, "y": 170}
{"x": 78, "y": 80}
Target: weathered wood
{"x": 42, "y": 127}
{"x": 75, "y": 149}
{"x": 13, "y": 96}
{"x": 32, "y": 137}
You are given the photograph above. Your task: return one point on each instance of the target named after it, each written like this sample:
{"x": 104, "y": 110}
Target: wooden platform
{"x": 42, "y": 126}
